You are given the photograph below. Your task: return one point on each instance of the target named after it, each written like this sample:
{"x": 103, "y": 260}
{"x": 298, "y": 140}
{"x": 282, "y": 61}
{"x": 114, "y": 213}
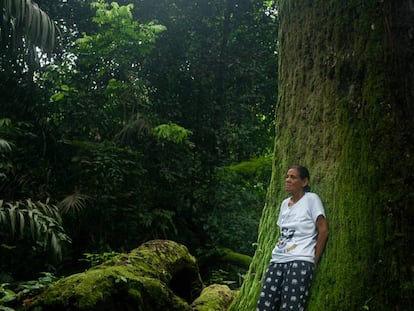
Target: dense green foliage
{"x": 153, "y": 119}
{"x": 24, "y": 27}
{"x": 150, "y": 119}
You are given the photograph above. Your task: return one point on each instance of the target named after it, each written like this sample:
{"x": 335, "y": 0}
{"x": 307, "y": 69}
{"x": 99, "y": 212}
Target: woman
{"x": 303, "y": 234}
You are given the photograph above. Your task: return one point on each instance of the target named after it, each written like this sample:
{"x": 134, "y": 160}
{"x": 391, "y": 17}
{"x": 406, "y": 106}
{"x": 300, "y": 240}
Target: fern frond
{"x": 12, "y": 213}
{"x": 21, "y": 221}
{"x": 25, "y": 16}
{"x": 47, "y": 209}
{"x": 73, "y": 203}
{"x": 38, "y": 220}
{"x": 135, "y": 127}
{"x": 172, "y": 132}
{"x": 4, "y": 145}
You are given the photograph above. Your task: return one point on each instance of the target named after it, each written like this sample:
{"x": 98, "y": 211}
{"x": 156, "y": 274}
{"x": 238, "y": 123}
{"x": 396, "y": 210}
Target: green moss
{"x": 145, "y": 277}
{"x": 236, "y": 258}
{"x": 90, "y": 289}
{"x": 87, "y": 290}
{"x": 213, "y": 298}
{"x": 336, "y": 115}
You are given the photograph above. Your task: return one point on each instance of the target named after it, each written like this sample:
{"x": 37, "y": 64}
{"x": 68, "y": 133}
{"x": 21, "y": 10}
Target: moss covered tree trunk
{"x": 345, "y": 110}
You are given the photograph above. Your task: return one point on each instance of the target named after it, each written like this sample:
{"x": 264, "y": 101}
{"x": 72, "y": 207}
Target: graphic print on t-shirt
{"x": 286, "y": 236}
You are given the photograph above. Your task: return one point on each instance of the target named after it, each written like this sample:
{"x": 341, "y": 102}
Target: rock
{"x": 158, "y": 275}
{"x": 213, "y": 298}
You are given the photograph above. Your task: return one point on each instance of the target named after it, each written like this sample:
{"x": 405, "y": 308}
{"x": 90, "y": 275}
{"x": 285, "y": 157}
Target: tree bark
{"x": 345, "y": 110}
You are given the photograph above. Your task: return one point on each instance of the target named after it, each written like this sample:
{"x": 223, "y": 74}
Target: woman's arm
{"x": 323, "y": 231}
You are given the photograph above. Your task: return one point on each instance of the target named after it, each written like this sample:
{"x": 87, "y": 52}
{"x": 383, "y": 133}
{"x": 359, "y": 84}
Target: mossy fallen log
{"x": 236, "y": 258}
{"x": 158, "y": 275}
{"x": 214, "y": 298}
{"x": 225, "y": 255}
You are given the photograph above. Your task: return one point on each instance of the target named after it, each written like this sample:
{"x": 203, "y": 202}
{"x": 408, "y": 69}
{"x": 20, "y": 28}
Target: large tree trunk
{"x": 345, "y": 110}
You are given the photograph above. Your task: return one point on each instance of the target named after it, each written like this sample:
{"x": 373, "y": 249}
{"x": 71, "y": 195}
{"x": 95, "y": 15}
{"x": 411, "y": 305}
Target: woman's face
{"x": 294, "y": 183}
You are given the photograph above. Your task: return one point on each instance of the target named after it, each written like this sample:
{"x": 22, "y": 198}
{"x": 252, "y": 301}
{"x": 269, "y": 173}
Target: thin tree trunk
{"x": 345, "y": 111}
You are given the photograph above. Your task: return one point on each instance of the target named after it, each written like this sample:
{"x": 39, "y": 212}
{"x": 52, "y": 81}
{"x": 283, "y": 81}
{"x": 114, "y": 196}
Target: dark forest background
{"x": 146, "y": 120}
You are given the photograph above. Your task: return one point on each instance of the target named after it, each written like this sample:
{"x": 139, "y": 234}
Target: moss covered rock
{"x": 214, "y": 298}
{"x": 158, "y": 275}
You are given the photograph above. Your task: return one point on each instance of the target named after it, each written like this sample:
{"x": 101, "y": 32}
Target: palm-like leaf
{"x": 138, "y": 125}
{"x": 24, "y": 18}
{"x": 73, "y": 203}
{"x": 38, "y": 220}
{"x": 4, "y": 145}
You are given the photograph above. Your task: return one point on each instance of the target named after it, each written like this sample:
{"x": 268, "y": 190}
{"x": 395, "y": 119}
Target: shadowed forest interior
{"x": 136, "y": 127}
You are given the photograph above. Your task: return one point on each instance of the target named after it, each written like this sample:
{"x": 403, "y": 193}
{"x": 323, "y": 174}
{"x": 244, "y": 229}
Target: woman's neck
{"x": 295, "y": 197}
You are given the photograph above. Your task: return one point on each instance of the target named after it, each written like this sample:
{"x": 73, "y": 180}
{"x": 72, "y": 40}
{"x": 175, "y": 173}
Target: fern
{"x": 36, "y": 220}
{"x": 25, "y": 16}
{"x": 4, "y": 145}
{"x": 172, "y": 132}
{"x": 74, "y": 203}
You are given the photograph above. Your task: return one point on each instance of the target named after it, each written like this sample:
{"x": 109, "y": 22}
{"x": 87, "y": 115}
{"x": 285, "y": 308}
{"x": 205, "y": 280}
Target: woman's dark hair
{"x": 303, "y": 173}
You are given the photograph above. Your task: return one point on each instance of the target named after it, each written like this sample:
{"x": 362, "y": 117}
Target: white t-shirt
{"x": 298, "y": 230}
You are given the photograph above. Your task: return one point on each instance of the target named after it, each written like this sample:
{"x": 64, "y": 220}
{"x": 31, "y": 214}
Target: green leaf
{"x": 172, "y": 132}
{"x": 57, "y": 97}
{"x": 8, "y": 295}
{"x": 4, "y": 145}
{"x": 37, "y": 220}
{"x": 25, "y": 17}
{"x": 65, "y": 87}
